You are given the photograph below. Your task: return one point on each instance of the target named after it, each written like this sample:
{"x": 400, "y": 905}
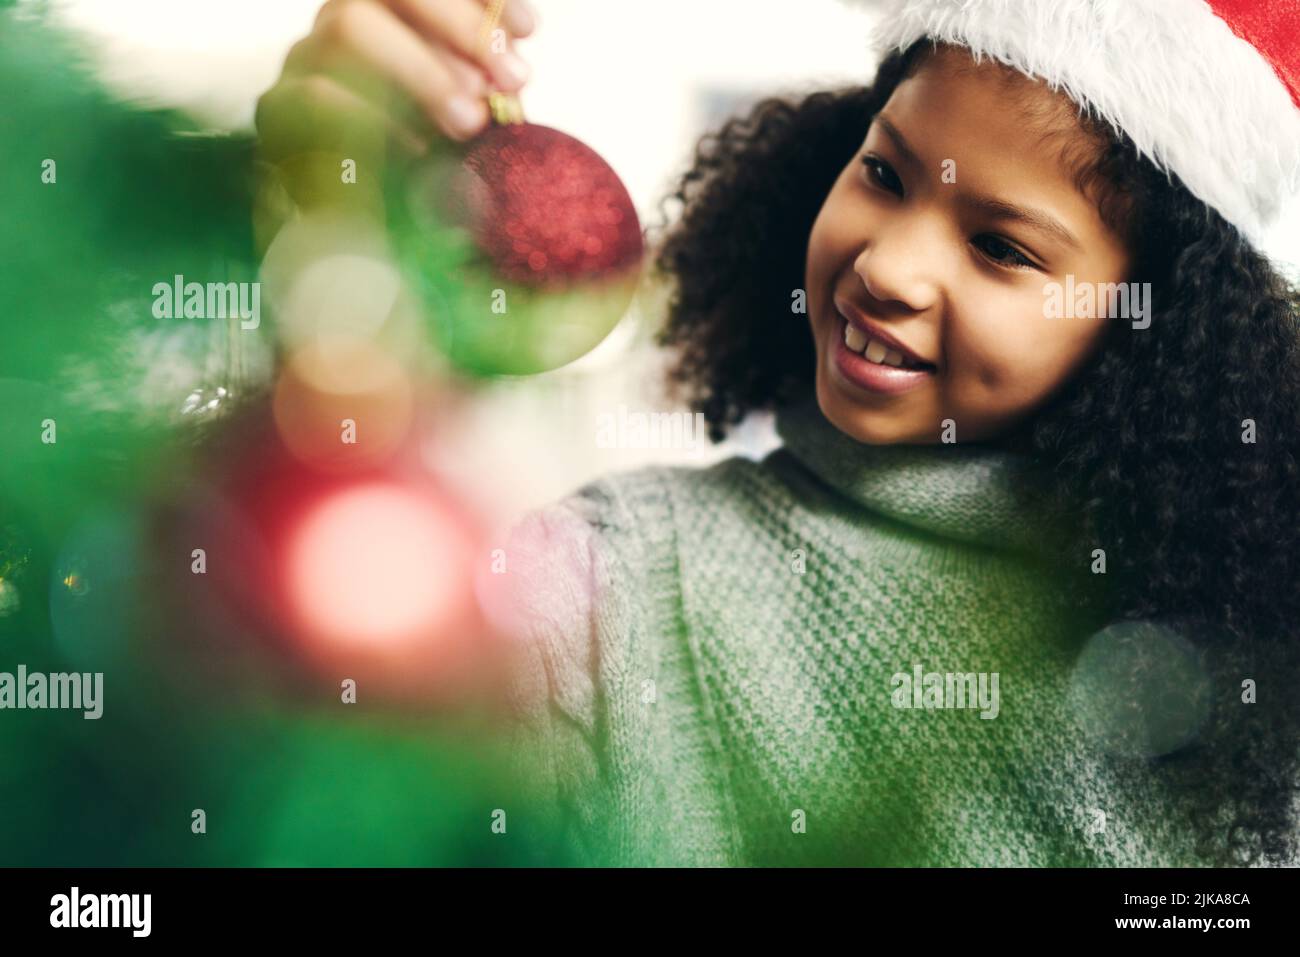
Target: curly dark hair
{"x": 1142, "y": 449}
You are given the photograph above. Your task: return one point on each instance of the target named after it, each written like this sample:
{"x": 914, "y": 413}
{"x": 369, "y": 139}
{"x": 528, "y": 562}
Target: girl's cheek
{"x": 821, "y": 251}
{"x": 1010, "y": 371}
{"x": 833, "y": 245}
{"x": 995, "y": 363}
{"x": 984, "y": 396}
{"x": 841, "y": 228}
{"x": 976, "y": 349}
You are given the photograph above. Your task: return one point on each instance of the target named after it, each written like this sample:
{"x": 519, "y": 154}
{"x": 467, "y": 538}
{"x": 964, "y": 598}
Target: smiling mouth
{"x": 873, "y": 350}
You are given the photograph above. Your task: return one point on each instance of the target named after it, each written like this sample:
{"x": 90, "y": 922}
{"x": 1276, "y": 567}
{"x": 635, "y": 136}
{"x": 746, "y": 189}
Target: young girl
{"x": 1020, "y": 587}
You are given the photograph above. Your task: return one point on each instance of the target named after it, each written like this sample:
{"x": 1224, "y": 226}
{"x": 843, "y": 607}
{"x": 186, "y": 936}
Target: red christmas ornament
{"x": 546, "y": 256}
{"x": 544, "y": 207}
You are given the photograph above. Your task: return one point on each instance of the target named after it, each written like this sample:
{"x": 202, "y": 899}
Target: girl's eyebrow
{"x": 900, "y": 142}
{"x": 1033, "y": 218}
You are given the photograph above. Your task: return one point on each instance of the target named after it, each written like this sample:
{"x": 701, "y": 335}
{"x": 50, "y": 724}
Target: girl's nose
{"x": 900, "y": 267}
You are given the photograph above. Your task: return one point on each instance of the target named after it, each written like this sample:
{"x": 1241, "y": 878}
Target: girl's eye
{"x": 1002, "y": 252}
{"x": 882, "y": 174}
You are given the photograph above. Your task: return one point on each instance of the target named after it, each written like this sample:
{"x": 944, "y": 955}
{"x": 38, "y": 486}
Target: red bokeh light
{"x": 376, "y": 566}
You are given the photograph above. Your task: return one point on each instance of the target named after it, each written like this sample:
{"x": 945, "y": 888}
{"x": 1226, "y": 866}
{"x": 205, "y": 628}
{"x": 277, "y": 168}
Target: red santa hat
{"x": 1206, "y": 89}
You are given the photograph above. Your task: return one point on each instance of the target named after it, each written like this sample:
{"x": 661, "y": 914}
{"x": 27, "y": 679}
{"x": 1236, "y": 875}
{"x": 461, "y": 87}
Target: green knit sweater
{"x": 707, "y": 669}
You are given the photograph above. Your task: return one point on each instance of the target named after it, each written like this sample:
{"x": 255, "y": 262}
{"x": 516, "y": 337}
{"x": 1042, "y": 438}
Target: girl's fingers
{"x": 469, "y": 77}
{"x": 366, "y": 40}
{"x": 457, "y": 24}
{"x": 517, "y": 17}
{"x": 317, "y": 112}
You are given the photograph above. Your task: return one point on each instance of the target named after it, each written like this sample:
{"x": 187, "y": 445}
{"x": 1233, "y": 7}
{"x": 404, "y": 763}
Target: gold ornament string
{"x": 505, "y": 107}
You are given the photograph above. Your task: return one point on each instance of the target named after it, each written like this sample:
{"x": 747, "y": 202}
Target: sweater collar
{"x": 970, "y": 493}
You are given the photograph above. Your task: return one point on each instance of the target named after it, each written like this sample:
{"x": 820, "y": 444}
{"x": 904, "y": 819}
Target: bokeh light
{"x": 1139, "y": 689}
{"x": 343, "y": 404}
{"x": 377, "y": 566}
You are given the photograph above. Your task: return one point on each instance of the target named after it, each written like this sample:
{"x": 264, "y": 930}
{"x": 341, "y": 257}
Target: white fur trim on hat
{"x": 1193, "y": 96}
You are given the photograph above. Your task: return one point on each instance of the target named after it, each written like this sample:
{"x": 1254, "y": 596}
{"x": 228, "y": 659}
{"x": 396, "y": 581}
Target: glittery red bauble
{"x": 545, "y": 208}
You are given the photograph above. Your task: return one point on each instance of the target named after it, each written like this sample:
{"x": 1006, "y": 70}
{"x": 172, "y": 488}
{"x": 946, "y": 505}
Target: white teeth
{"x": 876, "y": 351}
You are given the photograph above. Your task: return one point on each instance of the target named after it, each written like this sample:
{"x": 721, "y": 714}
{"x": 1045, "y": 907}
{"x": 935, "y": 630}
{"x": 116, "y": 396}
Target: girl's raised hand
{"x": 395, "y": 65}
